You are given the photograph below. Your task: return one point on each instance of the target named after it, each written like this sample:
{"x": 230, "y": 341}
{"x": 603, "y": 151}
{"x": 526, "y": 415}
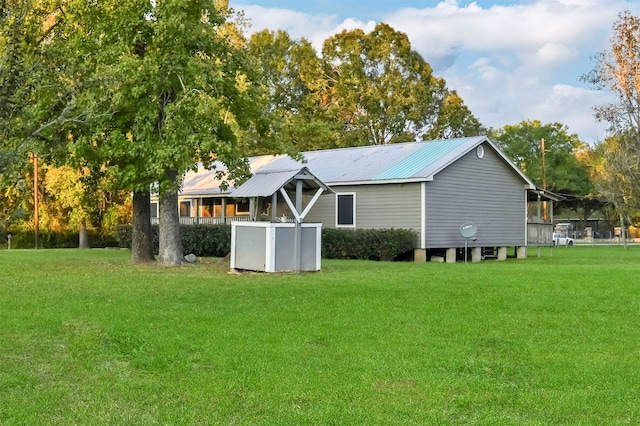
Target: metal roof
{"x": 266, "y": 183}
{"x": 404, "y": 162}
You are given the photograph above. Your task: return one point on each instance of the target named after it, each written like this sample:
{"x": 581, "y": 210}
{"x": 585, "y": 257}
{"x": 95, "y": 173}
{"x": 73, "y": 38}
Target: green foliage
{"x": 383, "y": 91}
{"x": 365, "y": 89}
{"x": 207, "y": 240}
{"x": 25, "y": 239}
{"x": 159, "y": 89}
{"x": 372, "y": 244}
{"x": 454, "y": 120}
{"x": 292, "y": 72}
{"x": 369, "y": 244}
{"x": 201, "y": 240}
{"x": 564, "y": 174}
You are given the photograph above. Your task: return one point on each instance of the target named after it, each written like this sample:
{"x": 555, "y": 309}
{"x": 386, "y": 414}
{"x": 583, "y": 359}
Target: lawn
{"x": 86, "y": 338}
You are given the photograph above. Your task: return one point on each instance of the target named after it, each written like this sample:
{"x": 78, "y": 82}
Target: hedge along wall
{"x": 52, "y": 240}
{"x": 201, "y": 240}
{"x": 371, "y": 244}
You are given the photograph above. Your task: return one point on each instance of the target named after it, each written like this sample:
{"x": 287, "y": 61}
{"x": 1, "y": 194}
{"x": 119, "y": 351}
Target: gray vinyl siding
{"x": 484, "y": 191}
{"x": 377, "y": 206}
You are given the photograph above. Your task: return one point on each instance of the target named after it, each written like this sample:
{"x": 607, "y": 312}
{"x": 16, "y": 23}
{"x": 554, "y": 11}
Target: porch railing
{"x": 206, "y": 220}
{"x": 539, "y": 234}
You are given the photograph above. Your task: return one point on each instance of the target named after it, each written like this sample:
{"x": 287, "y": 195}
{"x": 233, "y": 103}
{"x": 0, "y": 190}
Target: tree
{"x": 80, "y": 199}
{"x": 562, "y": 172}
{"x": 382, "y": 91}
{"x": 158, "y": 87}
{"x": 293, "y": 74}
{"x": 25, "y": 28}
{"x": 618, "y": 70}
{"x": 455, "y": 120}
{"x": 606, "y": 162}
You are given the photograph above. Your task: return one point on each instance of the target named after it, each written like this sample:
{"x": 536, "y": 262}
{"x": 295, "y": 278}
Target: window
{"x": 185, "y": 208}
{"x": 242, "y": 207}
{"x": 154, "y": 209}
{"x": 206, "y": 207}
{"x": 346, "y": 209}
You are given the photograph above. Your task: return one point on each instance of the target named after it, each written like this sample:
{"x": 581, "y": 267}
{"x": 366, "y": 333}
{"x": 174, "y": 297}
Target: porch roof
{"x": 532, "y": 195}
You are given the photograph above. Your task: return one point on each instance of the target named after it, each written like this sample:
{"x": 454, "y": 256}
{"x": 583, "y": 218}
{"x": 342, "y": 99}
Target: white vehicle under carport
{"x": 560, "y": 239}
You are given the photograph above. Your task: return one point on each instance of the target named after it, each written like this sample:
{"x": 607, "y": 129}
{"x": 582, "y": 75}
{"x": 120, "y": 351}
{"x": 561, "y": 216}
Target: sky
{"x": 509, "y": 60}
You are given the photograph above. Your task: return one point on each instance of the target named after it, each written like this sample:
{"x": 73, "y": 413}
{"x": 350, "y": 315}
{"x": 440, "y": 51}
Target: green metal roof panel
{"x": 429, "y": 154}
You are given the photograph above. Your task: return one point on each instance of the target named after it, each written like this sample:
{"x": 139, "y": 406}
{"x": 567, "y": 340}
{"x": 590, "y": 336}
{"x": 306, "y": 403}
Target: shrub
{"x": 201, "y": 240}
{"x": 207, "y": 240}
{"x": 26, "y": 239}
{"x": 371, "y": 244}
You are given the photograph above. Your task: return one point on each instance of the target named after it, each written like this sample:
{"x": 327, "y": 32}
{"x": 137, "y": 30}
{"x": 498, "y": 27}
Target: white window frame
{"x": 352, "y": 225}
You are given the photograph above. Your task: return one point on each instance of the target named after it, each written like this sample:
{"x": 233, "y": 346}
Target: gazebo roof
{"x": 267, "y": 183}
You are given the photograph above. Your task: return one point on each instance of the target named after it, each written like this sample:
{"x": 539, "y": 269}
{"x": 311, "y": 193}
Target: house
{"x": 435, "y": 188}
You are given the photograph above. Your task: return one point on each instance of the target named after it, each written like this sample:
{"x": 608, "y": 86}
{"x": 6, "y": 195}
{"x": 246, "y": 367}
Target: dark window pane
{"x": 345, "y": 209}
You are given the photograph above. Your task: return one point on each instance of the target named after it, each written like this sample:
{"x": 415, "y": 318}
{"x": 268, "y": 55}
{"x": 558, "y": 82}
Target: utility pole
{"x": 36, "y": 221}
{"x": 544, "y": 170}
{"x": 544, "y": 180}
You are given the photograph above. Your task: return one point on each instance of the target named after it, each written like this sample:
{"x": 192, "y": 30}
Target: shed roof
{"x": 403, "y": 162}
{"x": 266, "y": 183}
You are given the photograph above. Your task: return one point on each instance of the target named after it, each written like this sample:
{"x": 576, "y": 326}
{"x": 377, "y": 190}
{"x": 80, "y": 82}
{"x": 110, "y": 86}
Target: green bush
{"x": 370, "y": 244}
{"x": 51, "y": 240}
{"x": 201, "y": 240}
{"x": 206, "y": 240}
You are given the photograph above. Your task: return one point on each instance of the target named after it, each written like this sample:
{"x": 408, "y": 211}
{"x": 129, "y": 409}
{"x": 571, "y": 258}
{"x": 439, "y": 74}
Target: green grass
{"x": 87, "y": 338}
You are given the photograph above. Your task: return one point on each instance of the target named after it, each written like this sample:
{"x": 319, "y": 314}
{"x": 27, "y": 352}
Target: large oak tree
{"x": 382, "y": 91}
{"x": 152, "y": 87}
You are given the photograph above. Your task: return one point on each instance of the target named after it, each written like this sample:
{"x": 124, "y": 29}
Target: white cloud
{"x": 296, "y": 23}
{"x": 508, "y": 63}
{"x": 315, "y": 28}
{"x": 556, "y": 54}
{"x": 443, "y": 33}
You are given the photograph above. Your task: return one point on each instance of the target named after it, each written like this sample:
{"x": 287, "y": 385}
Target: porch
{"x": 214, "y": 210}
{"x": 207, "y": 220}
{"x": 540, "y": 217}
{"x": 218, "y": 210}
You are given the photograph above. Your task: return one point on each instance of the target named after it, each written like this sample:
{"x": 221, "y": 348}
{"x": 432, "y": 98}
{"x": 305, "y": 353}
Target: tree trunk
{"x": 141, "y": 233}
{"x": 171, "y": 251}
{"x": 83, "y": 242}
{"x": 623, "y": 234}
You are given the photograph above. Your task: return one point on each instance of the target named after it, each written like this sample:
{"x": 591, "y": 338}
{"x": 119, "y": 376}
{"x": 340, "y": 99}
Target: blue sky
{"x": 509, "y": 60}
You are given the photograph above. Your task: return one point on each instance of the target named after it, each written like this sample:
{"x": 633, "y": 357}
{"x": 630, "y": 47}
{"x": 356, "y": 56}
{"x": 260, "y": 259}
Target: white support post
{"x": 290, "y": 204}
{"x": 476, "y": 254}
{"x": 450, "y": 255}
{"x": 274, "y": 206}
{"x": 312, "y": 202}
{"x": 297, "y": 244}
{"x": 502, "y": 253}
